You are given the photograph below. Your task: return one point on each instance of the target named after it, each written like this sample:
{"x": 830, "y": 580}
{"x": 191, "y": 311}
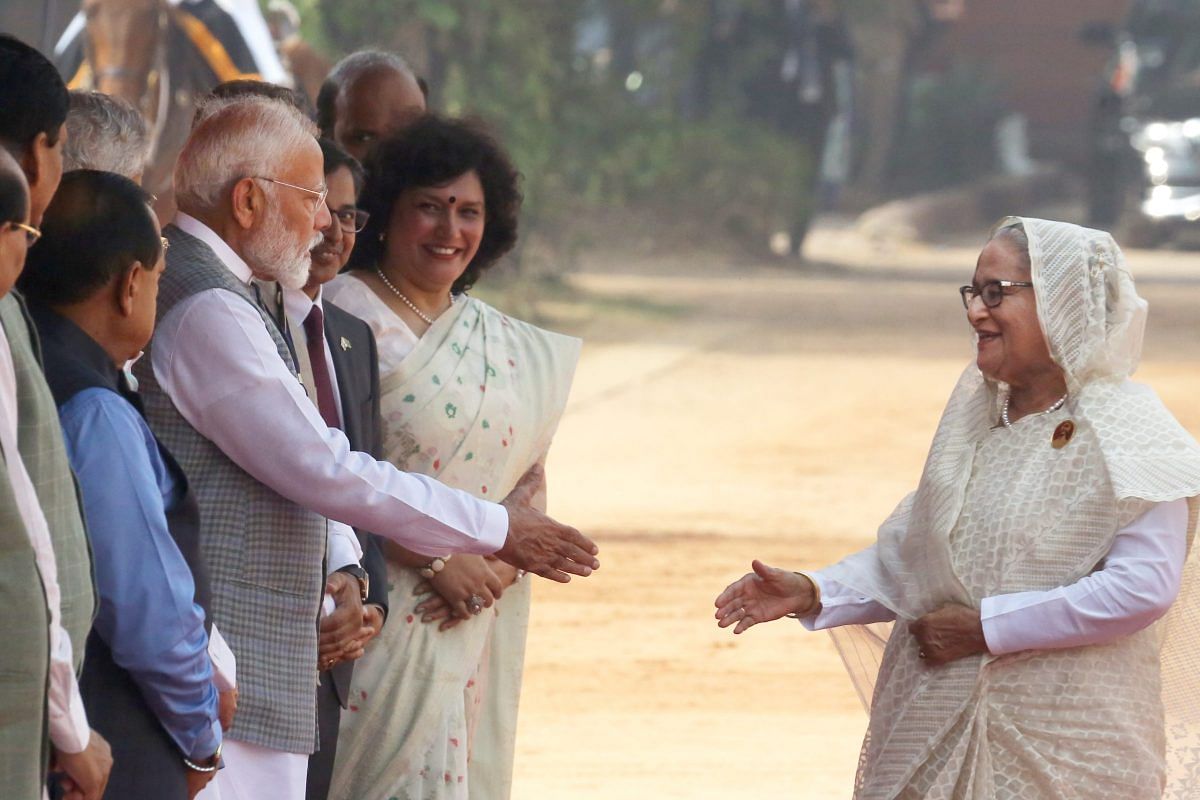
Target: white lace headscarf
{"x": 1093, "y": 321}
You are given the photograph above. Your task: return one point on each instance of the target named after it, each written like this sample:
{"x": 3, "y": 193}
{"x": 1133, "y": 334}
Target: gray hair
{"x": 1012, "y": 230}
{"x": 237, "y": 139}
{"x": 105, "y": 133}
{"x": 355, "y": 64}
{"x": 348, "y": 70}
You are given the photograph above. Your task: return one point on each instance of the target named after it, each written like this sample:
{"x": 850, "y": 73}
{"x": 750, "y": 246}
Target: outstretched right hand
{"x": 538, "y": 544}
{"x": 765, "y": 594}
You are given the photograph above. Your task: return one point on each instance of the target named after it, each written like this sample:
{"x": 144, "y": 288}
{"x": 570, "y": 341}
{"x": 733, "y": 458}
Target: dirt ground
{"x": 723, "y": 412}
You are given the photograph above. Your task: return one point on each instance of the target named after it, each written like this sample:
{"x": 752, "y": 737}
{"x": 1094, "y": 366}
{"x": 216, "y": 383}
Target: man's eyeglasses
{"x": 32, "y": 234}
{"x": 320, "y": 195}
{"x": 350, "y": 220}
{"x": 991, "y": 293}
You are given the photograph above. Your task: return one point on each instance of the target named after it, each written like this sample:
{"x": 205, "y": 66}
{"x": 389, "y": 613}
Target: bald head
{"x": 368, "y": 96}
{"x": 14, "y": 208}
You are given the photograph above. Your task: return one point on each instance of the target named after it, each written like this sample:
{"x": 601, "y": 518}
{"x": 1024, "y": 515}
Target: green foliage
{"x": 583, "y": 140}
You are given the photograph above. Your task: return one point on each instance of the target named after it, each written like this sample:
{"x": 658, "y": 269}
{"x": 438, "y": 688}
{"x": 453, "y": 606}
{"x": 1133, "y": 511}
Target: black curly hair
{"x": 433, "y": 151}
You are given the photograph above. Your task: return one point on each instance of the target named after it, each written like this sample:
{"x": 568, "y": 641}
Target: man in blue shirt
{"x": 147, "y": 681}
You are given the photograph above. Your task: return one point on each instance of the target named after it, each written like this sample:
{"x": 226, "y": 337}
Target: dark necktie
{"x": 314, "y": 332}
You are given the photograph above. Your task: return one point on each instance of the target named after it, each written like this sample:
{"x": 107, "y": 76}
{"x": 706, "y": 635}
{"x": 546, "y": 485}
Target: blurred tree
{"x": 620, "y": 104}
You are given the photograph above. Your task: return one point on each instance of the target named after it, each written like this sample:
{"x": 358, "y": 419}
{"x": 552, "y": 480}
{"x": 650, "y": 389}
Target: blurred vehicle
{"x": 1144, "y": 147}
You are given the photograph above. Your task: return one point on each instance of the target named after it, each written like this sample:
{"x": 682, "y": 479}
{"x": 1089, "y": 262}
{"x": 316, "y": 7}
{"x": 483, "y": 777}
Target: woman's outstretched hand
{"x": 763, "y": 595}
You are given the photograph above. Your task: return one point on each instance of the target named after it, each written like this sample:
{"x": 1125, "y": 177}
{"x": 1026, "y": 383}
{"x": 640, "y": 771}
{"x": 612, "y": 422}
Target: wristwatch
{"x": 364, "y": 580}
{"x": 211, "y": 764}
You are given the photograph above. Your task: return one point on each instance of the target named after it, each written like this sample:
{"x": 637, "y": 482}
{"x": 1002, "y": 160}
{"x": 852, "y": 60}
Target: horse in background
{"x": 162, "y": 59}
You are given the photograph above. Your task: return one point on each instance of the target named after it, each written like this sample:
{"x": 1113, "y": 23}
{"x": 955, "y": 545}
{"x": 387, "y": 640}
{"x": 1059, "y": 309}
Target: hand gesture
{"x": 765, "y": 594}
{"x": 86, "y": 772}
{"x": 538, "y": 544}
{"x": 952, "y": 632}
{"x": 339, "y": 632}
{"x": 466, "y": 586}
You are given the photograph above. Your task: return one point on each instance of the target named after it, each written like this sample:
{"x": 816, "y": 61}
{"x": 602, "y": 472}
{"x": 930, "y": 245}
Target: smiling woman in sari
{"x": 1028, "y": 573}
{"x": 471, "y": 397}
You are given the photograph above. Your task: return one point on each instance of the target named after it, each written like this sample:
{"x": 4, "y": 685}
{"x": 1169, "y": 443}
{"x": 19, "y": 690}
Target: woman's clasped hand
{"x": 466, "y": 586}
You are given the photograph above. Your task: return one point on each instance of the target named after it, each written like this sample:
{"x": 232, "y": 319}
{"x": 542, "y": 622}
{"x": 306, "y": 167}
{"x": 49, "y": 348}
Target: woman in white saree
{"x": 1028, "y": 573}
{"x": 471, "y": 397}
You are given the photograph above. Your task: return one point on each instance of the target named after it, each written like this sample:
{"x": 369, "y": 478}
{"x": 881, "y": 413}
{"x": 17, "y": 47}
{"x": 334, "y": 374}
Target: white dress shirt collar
{"x": 232, "y": 261}
{"x": 298, "y": 305}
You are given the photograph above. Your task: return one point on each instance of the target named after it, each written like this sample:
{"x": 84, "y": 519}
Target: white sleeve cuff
{"x": 494, "y": 532}
{"x": 342, "y": 547}
{"x": 223, "y": 662}
{"x": 841, "y": 605}
{"x": 69, "y": 729}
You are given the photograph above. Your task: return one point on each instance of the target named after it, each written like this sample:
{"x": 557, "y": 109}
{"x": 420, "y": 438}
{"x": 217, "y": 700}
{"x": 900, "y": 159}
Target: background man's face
{"x": 376, "y": 105}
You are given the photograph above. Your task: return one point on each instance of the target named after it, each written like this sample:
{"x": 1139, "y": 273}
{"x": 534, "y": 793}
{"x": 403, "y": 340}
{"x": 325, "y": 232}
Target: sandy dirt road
{"x": 722, "y": 413}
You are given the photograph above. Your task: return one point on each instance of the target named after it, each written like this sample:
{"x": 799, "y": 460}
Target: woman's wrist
{"x": 808, "y": 596}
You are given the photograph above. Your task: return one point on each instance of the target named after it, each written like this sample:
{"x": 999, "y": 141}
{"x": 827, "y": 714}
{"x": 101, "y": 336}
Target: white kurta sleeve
{"x": 217, "y": 362}
{"x": 342, "y": 548}
{"x": 224, "y": 663}
{"x": 841, "y": 605}
{"x": 1138, "y": 582}
{"x": 67, "y": 720}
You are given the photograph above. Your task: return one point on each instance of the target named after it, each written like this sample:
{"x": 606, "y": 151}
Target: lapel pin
{"x": 345, "y": 343}
{"x": 1062, "y": 434}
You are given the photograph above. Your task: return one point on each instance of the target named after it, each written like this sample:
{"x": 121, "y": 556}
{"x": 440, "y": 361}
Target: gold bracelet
{"x": 816, "y": 597}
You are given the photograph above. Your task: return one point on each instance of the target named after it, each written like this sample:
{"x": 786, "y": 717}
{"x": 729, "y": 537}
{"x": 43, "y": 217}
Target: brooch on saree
{"x": 1062, "y": 434}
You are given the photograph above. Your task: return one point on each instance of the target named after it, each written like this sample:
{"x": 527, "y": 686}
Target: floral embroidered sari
{"x": 433, "y": 714}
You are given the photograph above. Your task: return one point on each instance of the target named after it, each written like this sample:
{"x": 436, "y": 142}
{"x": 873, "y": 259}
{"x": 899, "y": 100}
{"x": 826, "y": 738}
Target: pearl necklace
{"x": 428, "y": 320}
{"x": 1055, "y": 407}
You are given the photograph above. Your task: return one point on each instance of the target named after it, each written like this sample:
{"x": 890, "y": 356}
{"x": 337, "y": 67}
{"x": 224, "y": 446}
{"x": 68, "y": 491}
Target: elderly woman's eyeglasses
{"x": 32, "y": 234}
{"x": 991, "y": 293}
{"x": 350, "y": 220}
{"x": 319, "y": 194}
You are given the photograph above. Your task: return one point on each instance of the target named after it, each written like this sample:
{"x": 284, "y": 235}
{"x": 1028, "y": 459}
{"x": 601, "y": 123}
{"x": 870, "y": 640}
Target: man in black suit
{"x": 351, "y": 400}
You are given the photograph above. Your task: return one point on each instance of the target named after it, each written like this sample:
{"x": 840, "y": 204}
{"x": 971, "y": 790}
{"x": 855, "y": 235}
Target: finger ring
{"x": 742, "y": 611}
{"x": 475, "y": 604}
{"x": 921, "y": 654}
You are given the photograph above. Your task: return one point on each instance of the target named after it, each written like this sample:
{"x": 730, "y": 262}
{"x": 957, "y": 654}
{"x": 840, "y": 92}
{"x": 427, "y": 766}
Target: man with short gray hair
{"x": 105, "y": 133}
{"x": 368, "y": 96}
{"x": 222, "y": 390}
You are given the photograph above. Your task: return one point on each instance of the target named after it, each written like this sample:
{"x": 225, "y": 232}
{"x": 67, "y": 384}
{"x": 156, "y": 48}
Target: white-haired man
{"x": 273, "y": 480}
{"x": 105, "y": 133}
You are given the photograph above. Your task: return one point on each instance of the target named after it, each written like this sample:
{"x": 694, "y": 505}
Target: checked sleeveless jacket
{"x": 265, "y": 553}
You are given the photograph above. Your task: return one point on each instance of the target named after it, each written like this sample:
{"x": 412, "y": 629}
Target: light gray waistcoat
{"x": 265, "y": 553}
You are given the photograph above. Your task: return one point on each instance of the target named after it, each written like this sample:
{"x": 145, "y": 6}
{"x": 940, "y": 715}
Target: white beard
{"x": 274, "y": 255}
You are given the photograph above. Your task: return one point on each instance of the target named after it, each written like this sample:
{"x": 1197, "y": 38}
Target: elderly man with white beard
{"x": 223, "y": 393}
